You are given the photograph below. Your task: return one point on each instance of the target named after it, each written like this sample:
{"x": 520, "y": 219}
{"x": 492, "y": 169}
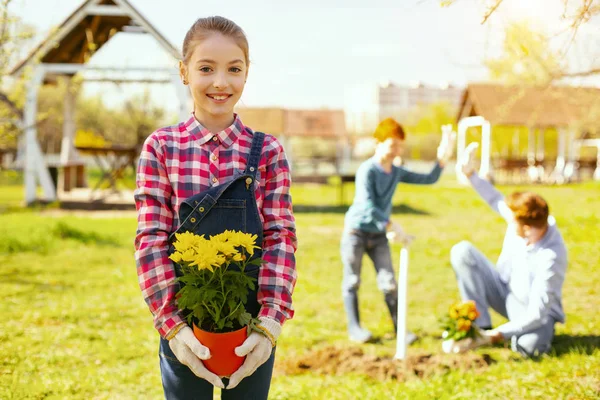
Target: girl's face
{"x": 216, "y": 74}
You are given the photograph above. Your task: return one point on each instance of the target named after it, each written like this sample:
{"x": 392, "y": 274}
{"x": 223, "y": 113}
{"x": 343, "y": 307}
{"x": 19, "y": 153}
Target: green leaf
{"x": 244, "y": 318}
{"x": 256, "y": 261}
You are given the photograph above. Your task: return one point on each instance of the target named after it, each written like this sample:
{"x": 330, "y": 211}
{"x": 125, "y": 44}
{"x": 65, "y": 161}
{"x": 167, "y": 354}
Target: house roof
{"x": 540, "y": 107}
{"x": 298, "y": 123}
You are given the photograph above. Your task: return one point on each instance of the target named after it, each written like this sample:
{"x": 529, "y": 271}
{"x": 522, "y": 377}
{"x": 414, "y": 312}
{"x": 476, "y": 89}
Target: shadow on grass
{"x": 65, "y": 231}
{"x": 396, "y": 209}
{"x": 15, "y": 278}
{"x": 566, "y": 344}
{"x": 43, "y": 243}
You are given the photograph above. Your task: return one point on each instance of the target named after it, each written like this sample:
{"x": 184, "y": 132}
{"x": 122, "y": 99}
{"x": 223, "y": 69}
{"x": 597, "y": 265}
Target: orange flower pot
{"x": 223, "y": 361}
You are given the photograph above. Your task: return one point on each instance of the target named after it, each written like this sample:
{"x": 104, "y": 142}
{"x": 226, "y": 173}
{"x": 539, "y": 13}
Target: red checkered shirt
{"x": 168, "y": 173}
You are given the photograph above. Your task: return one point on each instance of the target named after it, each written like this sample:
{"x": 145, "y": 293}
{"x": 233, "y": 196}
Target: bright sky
{"x": 308, "y": 54}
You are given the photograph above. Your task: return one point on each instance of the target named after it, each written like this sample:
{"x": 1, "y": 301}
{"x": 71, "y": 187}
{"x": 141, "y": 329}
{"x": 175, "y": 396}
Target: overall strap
{"x": 255, "y": 153}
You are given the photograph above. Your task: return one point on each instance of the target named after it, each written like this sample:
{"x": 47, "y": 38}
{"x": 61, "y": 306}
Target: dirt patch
{"x": 339, "y": 361}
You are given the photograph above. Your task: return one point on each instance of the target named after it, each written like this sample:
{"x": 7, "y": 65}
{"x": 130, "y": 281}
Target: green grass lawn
{"x": 74, "y": 324}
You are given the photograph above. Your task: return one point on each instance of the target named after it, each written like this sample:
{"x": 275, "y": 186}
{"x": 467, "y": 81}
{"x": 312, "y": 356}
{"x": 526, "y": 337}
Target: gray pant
{"x": 479, "y": 280}
{"x": 353, "y": 246}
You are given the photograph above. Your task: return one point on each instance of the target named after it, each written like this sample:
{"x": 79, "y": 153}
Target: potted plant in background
{"x": 213, "y": 294}
{"x": 459, "y": 325}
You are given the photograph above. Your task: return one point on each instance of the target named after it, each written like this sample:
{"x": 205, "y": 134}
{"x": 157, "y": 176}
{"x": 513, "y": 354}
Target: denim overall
{"x": 231, "y": 205}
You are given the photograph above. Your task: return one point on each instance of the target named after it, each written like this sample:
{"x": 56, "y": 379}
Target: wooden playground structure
{"x": 64, "y": 55}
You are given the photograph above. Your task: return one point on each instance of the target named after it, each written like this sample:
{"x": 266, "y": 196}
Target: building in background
{"x": 367, "y": 105}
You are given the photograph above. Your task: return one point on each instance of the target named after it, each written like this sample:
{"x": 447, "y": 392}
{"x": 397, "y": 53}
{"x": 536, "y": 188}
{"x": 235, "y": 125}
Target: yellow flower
{"x": 453, "y": 311}
{"x": 175, "y": 257}
{"x": 463, "y": 324}
{"x": 185, "y": 241}
{"x": 473, "y": 315}
{"x": 226, "y": 248}
{"x": 207, "y": 263}
{"x": 245, "y": 240}
{"x": 208, "y": 256}
{"x": 238, "y": 257}
{"x": 188, "y": 255}
{"x": 205, "y": 248}
{"x": 223, "y": 236}
{"x": 467, "y": 307}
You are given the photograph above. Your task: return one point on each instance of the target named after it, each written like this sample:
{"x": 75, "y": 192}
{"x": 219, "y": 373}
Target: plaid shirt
{"x": 180, "y": 161}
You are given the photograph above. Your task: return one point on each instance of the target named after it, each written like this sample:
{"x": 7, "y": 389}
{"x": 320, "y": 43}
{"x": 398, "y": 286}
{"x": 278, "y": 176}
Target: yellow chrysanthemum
{"x": 238, "y": 257}
{"x": 245, "y": 240}
{"x": 175, "y": 257}
{"x": 188, "y": 255}
{"x": 206, "y": 248}
{"x": 453, "y": 311}
{"x": 463, "y": 325}
{"x": 186, "y": 240}
{"x": 473, "y": 315}
{"x": 223, "y": 236}
{"x": 205, "y": 261}
{"x": 467, "y": 307}
{"x": 226, "y": 248}
{"x": 208, "y": 256}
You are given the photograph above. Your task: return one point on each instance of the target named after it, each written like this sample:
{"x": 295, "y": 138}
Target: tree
{"x": 526, "y": 58}
{"x": 423, "y": 127}
{"x": 576, "y": 13}
{"x": 14, "y": 36}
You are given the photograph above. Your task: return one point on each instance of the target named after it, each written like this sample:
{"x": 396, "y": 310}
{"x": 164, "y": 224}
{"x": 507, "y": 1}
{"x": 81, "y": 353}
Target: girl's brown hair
{"x": 203, "y": 27}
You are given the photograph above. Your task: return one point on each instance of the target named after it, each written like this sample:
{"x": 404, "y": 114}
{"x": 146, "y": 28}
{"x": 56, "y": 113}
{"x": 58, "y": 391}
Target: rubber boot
{"x": 391, "y": 300}
{"x": 355, "y": 332}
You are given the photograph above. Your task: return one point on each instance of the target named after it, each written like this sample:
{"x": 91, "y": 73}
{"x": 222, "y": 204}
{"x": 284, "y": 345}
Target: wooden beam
{"x": 540, "y": 153}
{"x": 140, "y": 20}
{"x": 101, "y": 37}
{"x": 90, "y": 44}
{"x": 75, "y": 68}
{"x": 35, "y": 164}
{"x": 67, "y": 149}
{"x": 123, "y": 80}
{"x": 67, "y": 46}
{"x": 530, "y": 145}
{"x": 114, "y": 11}
{"x": 44, "y": 49}
{"x": 133, "y": 29}
{"x": 94, "y": 24}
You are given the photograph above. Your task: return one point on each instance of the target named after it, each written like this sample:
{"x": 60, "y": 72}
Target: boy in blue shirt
{"x": 368, "y": 219}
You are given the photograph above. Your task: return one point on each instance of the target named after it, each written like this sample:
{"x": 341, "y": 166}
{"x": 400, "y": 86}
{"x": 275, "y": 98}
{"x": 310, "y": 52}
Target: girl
{"x": 213, "y": 156}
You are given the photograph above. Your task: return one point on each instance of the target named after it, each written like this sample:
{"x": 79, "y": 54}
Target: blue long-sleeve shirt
{"x": 372, "y": 205}
{"x": 534, "y": 272}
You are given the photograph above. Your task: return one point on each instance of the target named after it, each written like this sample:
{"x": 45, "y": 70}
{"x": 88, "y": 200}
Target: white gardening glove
{"x": 446, "y": 147}
{"x": 396, "y": 234}
{"x": 484, "y": 338}
{"x": 257, "y": 348}
{"x": 467, "y": 161}
{"x": 189, "y": 351}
